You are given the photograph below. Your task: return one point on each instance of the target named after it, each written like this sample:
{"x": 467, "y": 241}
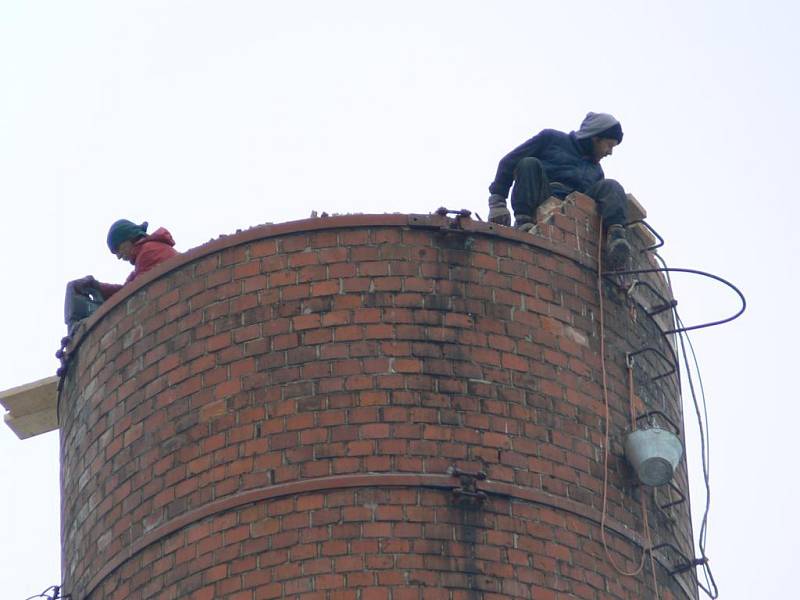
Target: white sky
{"x": 205, "y": 117}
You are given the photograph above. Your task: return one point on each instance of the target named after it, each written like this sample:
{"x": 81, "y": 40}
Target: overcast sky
{"x": 206, "y": 117}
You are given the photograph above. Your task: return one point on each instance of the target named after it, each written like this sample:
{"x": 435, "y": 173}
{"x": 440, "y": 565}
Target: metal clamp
{"x": 459, "y": 214}
{"x": 685, "y": 565}
{"x": 463, "y": 212}
{"x": 468, "y": 492}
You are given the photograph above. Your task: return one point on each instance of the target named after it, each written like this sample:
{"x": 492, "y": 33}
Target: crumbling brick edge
{"x": 262, "y": 232}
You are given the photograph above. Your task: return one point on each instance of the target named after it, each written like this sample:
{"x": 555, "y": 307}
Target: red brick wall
{"x": 274, "y": 415}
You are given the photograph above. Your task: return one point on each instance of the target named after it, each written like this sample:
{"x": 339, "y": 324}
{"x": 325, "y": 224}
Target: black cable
{"x": 44, "y": 594}
{"x": 56, "y": 594}
{"x": 664, "y": 263}
{"x": 702, "y": 416}
{"x": 705, "y": 450}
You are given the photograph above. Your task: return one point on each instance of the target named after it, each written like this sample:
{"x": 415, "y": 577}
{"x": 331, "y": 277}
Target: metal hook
{"x": 672, "y": 365}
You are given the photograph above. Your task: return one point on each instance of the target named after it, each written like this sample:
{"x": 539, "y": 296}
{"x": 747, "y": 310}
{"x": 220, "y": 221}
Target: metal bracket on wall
{"x": 672, "y": 365}
{"x": 458, "y": 214}
{"x": 651, "y": 230}
{"x": 468, "y": 492}
{"x": 692, "y": 272}
{"x": 684, "y": 564}
{"x": 666, "y": 304}
{"x": 681, "y": 498}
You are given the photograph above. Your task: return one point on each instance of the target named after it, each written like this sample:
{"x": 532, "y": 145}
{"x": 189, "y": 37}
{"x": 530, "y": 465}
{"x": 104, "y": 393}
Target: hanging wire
{"x": 700, "y": 405}
{"x": 710, "y": 587}
{"x": 705, "y": 450}
{"x": 55, "y": 589}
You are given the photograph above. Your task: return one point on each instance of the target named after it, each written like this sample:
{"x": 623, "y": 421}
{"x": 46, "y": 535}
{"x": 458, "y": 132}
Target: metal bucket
{"x": 654, "y": 454}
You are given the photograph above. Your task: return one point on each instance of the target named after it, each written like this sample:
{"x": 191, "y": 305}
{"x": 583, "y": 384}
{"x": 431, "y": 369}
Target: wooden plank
{"x": 32, "y": 407}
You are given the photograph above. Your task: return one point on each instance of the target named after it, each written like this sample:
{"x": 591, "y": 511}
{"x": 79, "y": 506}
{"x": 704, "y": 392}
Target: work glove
{"x": 498, "y": 212}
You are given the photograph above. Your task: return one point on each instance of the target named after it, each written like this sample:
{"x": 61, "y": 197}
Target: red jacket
{"x": 147, "y": 252}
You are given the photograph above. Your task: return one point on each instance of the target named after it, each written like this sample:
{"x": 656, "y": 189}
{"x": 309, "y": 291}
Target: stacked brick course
{"x": 274, "y": 415}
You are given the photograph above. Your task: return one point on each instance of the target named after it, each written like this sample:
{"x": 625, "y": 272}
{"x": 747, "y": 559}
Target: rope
{"x": 647, "y": 535}
{"x": 604, "y": 516}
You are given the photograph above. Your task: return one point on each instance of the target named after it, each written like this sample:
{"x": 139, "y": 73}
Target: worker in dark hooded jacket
{"x": 128, "y": 241}
{"x": 553, "y": 163}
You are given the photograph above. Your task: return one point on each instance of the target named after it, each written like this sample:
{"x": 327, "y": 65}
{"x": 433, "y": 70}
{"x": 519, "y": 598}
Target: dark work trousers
{"x": 532, "y": 187}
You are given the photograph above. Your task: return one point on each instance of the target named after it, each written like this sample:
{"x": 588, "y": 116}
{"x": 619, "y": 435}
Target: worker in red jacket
{"x": 128, "y": 241}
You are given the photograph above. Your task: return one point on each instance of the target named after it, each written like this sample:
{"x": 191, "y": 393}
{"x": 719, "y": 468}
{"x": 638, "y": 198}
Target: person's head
{"x": 603, "y": 131}
{"x": 122, "y": 236}
{"x": 602, "y": 147}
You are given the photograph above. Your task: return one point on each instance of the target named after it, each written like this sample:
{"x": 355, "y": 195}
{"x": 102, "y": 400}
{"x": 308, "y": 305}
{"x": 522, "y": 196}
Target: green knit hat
{"x": 124, "y": 230}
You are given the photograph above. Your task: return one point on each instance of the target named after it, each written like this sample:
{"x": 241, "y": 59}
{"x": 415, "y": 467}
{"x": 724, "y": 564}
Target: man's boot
{"x": 524, "y": 223}
{"x": 618, "y": 250}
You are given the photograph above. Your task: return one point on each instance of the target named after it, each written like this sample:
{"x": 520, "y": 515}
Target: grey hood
{"x": 595, "y": 123}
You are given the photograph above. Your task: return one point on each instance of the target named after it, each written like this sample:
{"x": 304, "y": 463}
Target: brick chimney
{"x": 373, "y": 407}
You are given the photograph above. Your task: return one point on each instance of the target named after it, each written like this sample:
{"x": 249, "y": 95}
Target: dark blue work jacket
{"x": 566, "y": 160}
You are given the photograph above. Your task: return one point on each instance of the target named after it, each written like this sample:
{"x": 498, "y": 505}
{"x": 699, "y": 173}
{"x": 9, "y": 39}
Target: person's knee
{"x": 609, "y": 192}
{"x": 528, "y": 164}
{"x": 610, "y": 186}
{"x": 612, "y": 202}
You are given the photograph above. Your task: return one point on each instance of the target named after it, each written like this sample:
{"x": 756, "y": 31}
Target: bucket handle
{"x": 652, "y": 413}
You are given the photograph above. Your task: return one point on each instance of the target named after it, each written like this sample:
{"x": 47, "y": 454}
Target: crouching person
{"x": 130, "y": 242}
{"x": 553, "y": 163}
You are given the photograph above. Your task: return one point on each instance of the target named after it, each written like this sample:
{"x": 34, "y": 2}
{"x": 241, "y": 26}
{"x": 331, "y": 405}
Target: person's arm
{"x": 88, "y": 283}
{"x": 505, "y": 170}
{"x": 107, "y": 289}
{"x": 146, "y": 260}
